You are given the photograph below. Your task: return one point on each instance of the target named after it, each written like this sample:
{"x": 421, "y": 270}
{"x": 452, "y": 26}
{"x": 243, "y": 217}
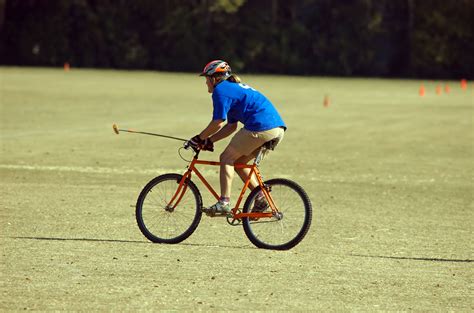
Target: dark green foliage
{"x": 411, "y": 38}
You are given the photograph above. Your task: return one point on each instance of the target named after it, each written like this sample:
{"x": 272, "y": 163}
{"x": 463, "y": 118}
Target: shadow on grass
{"x": 412, "y": 258}
{"x": 128, "y": 241}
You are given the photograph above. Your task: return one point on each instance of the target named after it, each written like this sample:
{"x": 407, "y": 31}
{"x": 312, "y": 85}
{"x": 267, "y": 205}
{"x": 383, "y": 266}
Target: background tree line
{"x": 402, "y": 38}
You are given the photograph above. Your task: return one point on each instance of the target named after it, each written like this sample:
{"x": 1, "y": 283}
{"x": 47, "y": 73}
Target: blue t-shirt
{"x": 238, "y": 102}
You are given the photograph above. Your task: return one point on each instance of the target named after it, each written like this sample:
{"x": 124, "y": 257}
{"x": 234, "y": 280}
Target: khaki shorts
{"x": 249, "y": 142}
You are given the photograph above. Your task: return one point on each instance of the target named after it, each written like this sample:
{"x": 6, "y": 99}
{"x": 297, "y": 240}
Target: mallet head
{"x": 116, "y": 130}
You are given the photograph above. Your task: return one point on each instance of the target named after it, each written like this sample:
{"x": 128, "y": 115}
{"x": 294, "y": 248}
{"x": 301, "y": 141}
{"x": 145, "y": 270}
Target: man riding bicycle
{"x": 235, "y": 102}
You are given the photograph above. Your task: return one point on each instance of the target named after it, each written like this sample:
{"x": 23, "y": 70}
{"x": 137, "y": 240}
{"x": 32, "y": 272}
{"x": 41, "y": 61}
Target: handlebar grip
{"x": 187, "y": 146}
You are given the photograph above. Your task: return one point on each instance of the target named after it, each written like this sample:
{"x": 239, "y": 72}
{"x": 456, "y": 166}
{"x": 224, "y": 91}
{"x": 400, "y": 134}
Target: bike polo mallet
{"x": 118, "y": 130}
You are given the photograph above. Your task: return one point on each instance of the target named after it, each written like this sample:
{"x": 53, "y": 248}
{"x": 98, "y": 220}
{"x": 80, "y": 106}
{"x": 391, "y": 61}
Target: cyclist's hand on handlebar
{"x": 195, "y": 143}
{"x": 208, "y": 145}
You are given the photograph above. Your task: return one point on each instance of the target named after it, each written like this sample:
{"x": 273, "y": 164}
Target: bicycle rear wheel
{"x": 285, "y": 231}
{"x": 160, "y": 223}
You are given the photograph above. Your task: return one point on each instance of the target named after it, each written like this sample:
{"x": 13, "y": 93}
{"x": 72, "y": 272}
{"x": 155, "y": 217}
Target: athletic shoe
{"x": 218, "y": 209}
{"x": 260, "y": 205}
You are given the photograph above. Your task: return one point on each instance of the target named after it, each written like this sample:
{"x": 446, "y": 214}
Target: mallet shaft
{"x": 151, "y": 134}
{"x": 117, "y": 130}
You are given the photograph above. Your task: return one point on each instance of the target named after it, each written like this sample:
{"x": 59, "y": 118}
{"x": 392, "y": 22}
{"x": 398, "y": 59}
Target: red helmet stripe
{"x": 216, "y": 66}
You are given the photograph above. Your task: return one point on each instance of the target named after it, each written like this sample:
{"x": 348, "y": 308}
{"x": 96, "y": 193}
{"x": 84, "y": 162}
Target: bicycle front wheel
{"x": 289, "y": 227}
{"x": 163, "y": 224}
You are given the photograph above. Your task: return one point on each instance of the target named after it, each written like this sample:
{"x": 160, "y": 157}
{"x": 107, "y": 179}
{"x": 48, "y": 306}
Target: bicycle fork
{"x": 178, "y": 195}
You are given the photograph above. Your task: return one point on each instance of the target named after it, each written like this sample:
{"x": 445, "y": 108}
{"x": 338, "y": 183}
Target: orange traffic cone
{"x": 66, "y": 67}
{"x": 422, "y": 90}
{"x": 326, "y": 101}
{"x": 463, "y": 84}
{"x": 438, "y": 90}
{"x": 447, "y": 89}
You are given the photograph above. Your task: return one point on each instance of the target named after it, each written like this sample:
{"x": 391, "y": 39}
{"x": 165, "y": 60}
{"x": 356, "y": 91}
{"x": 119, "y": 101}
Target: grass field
{"x": 390, "y": 175}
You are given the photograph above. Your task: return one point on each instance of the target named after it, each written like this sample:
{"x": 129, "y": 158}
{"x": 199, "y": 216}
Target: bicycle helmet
{"x": 216, "y": 67}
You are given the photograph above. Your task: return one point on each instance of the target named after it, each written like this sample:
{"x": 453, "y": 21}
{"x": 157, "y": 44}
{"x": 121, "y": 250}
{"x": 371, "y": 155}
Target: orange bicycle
{"x": 169, "y": 208}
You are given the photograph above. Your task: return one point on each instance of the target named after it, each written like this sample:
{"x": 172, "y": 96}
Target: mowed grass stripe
{"x": 361, "y": 178}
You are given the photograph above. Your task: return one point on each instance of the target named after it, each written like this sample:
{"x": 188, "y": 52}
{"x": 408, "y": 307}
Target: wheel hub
{"x": 278, "y": 215}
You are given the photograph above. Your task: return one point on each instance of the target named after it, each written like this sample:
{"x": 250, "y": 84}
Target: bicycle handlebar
{"x": 186, "y": 146}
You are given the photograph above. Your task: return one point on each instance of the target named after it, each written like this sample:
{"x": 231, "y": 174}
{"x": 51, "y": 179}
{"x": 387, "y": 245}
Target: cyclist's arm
{"x": 213, "y": 127}
{"x": 225, "y": 131}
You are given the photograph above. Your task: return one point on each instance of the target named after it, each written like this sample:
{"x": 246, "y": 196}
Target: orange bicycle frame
{"x": 253, "y": 171}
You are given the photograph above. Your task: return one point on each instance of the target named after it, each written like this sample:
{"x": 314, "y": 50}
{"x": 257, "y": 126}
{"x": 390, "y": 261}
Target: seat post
{"x": 260, "y": 155}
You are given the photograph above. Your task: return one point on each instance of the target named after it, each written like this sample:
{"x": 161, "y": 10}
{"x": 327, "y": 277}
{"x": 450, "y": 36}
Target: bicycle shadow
{"x": 128, "y": 241}
{"x": 413, "y": 258}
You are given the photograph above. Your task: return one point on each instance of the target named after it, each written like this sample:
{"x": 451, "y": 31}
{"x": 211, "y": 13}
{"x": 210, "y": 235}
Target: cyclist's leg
{"x": 241, "y": 149}
{"x": 245, "y": 172}
{"x": 227, "y": 159}
{"x": 261, "y": 138}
